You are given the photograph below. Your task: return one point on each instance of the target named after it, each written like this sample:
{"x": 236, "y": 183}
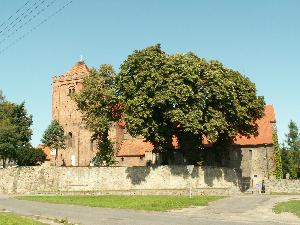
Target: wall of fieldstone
{"x": 118, "y": 180}
{"x": 283, "y": 186}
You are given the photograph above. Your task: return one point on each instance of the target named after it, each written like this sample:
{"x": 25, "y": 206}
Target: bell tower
{"x": 78, "y": 150}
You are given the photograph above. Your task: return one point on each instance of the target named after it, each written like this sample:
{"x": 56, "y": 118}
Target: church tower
{"x": 79, "y": 148}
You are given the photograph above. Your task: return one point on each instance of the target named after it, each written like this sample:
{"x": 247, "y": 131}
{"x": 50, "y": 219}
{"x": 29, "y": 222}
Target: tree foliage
{"x": 23, "y": 122}
{"x": 291, "y": 151}
{"x": 292, "y": 137}
{"x": 106, "y": 154}
{"x": 15, "y": 131}
{"x": 278, "y": 172}
{"x": 185, "y": 95}
{"x": 100, "y": 108}
{"x": 2, "y": 97}
{"x": 54, "y": 137}
{"x": 29, "y": 156}
{"x": 8, "y": 141}
{"x": 141, "y": 84}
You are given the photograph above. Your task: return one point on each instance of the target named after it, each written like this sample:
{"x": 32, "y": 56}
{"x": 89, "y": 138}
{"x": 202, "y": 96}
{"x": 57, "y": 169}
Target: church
{"x": 254, "y": 155}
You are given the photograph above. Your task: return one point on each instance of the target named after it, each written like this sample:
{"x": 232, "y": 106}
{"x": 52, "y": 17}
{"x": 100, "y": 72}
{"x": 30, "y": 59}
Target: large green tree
{"x": 8, "y": 141}
{"x": 18, "y": 116}
{"x": 141, "y": 85}
{"x": 291, "y": 151}
{"x": 15, "y": 131}
{"x": 185, "y": 95}
{"x": 100, "y": 107}
{"x": 288, "y": 163}
{"x": 54, "y": 137}
{"x": 23, "y": 122}
{"x": 292, "y": 137}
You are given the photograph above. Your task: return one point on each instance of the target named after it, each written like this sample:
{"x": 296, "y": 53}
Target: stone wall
{"x": 259, "y": 164}
{"x": 118, "y": 180}
{"x": 283, "y": 186}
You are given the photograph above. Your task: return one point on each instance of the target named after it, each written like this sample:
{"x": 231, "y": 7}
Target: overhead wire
{"x": 21, "y": 17}
{"x": 18, "y": 10}
{"x": 32, "y": 15}
{"x": 35, "y": 27}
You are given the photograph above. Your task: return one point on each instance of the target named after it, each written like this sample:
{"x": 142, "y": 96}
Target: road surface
{"x": 229, "y": 211}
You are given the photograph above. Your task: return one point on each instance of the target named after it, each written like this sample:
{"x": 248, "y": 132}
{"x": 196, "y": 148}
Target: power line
{"x": 5, "y": 21}
{"x": 32, "y": 17}
{"x": 19, "y": 19}
{"x": 35, "y": 27}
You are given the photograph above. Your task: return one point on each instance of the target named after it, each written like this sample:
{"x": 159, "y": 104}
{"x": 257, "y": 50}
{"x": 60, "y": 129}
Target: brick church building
{"x": 254, "y": 156}
{"x": 80, "y": 150}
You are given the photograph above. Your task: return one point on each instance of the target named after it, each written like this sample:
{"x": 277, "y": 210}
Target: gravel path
{"x": 228, "y": 211}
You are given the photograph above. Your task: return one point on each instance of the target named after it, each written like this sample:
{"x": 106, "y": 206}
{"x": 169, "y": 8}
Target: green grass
{"x": 292, "y": 206}
{"x": 12, "y": 219}
{"x": 151, "y": 203}
{"x": 285, "y": 193}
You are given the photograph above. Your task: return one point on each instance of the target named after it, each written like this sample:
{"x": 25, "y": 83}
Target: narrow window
{"x": 91, "y": 145}
{"x": 71, "y": 91}
{"x": 70, "y": 139}
{"x": 250, "y": 154}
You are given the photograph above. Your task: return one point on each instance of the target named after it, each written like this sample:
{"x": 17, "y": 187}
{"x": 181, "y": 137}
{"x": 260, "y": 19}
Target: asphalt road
{"x": 229, "y": 211}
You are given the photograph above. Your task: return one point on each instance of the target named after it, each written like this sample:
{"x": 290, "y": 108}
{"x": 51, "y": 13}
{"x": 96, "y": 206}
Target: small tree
{"x": 277, "y": 156}
{"x": 99, "y": 105}
{"x": 106, "y": 154}
{"x": 29, "y": 156}
{"x": 15, "y": 131}
{"x": 22, "y": 121}
{"x": 54, "y": 137}
{"x": 291, "y": 151}
{"x": 8, "y": 141}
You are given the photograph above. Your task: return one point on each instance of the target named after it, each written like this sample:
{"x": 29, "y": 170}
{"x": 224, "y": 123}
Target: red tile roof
{"x": 138, "y": 147}
{"x": 78, "y": 68}
{"x": 134, "y": 147}
{"x": 46, "y": 150}
{"x": 265, "y": 130}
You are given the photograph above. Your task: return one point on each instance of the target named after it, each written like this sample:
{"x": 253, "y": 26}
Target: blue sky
{"x": 261, "y": 39}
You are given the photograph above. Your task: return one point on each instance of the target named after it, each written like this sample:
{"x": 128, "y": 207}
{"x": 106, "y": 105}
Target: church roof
{"x": 138, "y": 147}
{"x": 265, "y": 130}
{"x": 78, "y": 69}
{"x": 46, "y": 150}
{"x": 134, "y": 147}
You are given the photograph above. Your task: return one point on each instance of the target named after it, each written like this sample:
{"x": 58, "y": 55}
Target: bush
{"x": 29, "y": 156}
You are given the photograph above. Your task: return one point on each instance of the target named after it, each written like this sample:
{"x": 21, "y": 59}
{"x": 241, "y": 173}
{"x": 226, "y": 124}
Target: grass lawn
{"x": 284, "y": 193}
{"x": 292, "y": 206}
{"x": 152, "y": 203}
{"x": 12, "y": 219}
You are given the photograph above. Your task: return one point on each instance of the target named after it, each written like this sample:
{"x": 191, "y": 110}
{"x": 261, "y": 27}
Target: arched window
{"x": 71, "y": 91}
